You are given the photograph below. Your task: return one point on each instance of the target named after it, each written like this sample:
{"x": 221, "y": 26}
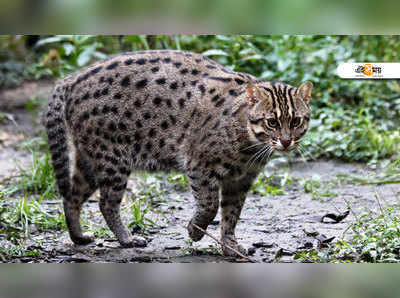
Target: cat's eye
{"x": 296, "y": 121}
{"x": 272, "y": 122}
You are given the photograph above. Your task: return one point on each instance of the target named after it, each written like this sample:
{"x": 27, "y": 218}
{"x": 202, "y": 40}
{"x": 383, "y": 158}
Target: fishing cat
{"x": 168, "y": 110}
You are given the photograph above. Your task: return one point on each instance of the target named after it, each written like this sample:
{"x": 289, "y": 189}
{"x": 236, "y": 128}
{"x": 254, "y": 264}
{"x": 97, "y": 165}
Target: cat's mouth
{"x": 284, "y": 148}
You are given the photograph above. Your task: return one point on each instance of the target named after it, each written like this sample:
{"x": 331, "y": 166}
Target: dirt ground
{"x": 269, "y": 225}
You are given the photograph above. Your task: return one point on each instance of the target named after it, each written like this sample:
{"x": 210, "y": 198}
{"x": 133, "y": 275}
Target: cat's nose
{"x": 285, "y": 141}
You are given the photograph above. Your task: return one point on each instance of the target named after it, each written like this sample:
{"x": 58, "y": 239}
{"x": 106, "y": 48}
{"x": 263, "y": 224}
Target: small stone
{"x": 172, "y": 247}
{"x": 263, "y": 244}
{"x": 251, "y": 250}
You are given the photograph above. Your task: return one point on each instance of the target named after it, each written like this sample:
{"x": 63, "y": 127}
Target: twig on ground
{"x": 225, "y": 245}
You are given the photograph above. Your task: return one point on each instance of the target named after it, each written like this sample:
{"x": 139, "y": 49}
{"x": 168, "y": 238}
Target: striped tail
{"x": 58, "y": 144}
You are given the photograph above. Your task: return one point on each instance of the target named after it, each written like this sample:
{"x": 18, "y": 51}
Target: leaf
{"x": 54, "y": 39}
{"x": 68, "y": 48}
{"x": 86, "y": 55}
{"x": 215, "y": 52}
{"x": 336, "y": 217}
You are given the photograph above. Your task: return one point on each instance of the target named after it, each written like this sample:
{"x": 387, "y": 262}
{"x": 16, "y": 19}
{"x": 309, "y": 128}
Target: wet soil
{"x": 269, "y": 224}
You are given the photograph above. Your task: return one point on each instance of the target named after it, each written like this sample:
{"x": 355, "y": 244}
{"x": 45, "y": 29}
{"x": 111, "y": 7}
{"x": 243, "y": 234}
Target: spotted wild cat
{"x": 168, "y": 110}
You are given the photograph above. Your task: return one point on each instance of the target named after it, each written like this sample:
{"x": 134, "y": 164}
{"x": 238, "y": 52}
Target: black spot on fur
{"x": 157, "y": 101}
{"x": 125, "y": 82}
{"x": 128, "y": 114}
{"x": 167, "y": 60}
{"x": 137, "y": 103}
{"x": 117, "y": 152}
{"x": 110, "y": 80}
{"x": 193, "y": 83}
{"x": 128, "y": 61}
{"x": 106, "y": 109}
{"x": 96, "y": 94}
{"x": 146, "y": 116}
{"x": 215, "y": 98}
{"x": 86, "y": 96}
{"x": 141, "y": 61}
{"x": 104, "y": 91}
{"x": 181, "y": 102}
{"x": 96, "y": 70}
{"x": 173, "y": 85}
{"x": 148, "y": 146}
{"x": 184, "y": 71}
{"x": 220, "y": 103}
{"x": 239, "y": 81}
{"x": 110, "y": 171}
{"x": 173, "y": 119}
{"x": 178, "y": 64}
{"x": 233, "y": 92}
{"x": 155, "y": 69}
{"x": 161, "y": 81}
{"x": 195, "y": 72}
{"x": 136, "y": 147}
{"x": 114, "y": 109}
{"x": 152, "y": 133}
{"x": 155, "y": 60}
{"x": 141, "y": 84}
{"x": 221, "y": 79}
{"x": 188, "y": 95}
{"x": 164, "y": 125}
{"x": 137, "y": 136}
{"x": 161, "y": 143}
{"x": 112, "y": 126}
{"x": 117, "y": 95}
{"x": 112, "y": 65}
{"x": 202, "y": 89}
{"x": 122, "y": 126}
{"x": 138, "y": 124}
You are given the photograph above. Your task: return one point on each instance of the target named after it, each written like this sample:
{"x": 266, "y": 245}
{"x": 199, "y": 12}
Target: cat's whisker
{"x": 254, "y": 145}
{"x": 255, "y": 157}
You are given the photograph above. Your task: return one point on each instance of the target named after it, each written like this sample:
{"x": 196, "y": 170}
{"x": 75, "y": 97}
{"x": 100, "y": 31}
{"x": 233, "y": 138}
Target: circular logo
{"x": 368, "y": 70}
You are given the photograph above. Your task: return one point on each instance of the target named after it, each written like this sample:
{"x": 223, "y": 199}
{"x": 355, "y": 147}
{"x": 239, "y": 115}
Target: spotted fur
{"x": 168, "y": 110}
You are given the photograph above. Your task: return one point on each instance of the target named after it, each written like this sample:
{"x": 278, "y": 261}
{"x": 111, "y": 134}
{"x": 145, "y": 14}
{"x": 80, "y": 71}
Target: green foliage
{"x": 350, "y": 135}
{"x": 179, "y": 180}
{"x": 66, "y": 53}
{"x": 18, "y": 217}
{"x": 270, "y": 185}
{"x": 38, "y": 178}
{"x": 318, "y": 189}
{"x": 139, "y": 210}
{"x": 375, "y": 239}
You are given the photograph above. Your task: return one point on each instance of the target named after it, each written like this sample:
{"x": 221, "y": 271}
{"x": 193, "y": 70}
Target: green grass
{"x": 39, "y": 178}
{"x": 18, "y": 218}
{"x": 374, "y": 237}
{"x": 271, "y": 185}
{"x": 318, "y": 189}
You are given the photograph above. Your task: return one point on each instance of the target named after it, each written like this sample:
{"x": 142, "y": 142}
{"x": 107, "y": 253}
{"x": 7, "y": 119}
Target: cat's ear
{"x": 305, "y": 91}
{"x": 253, "y": 95}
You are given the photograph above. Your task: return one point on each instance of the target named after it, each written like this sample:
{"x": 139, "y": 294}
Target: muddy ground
{"x": 269, "y": 225}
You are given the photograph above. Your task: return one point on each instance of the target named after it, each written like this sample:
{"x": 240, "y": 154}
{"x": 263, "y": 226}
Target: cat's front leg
{"x": 233, "y": 198}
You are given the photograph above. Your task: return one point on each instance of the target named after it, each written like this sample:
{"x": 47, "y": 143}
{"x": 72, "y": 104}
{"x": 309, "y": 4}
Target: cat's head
{"x": 278, "y": 114}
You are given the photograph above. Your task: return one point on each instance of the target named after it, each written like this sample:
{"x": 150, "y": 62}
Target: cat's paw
{"x": 134, "y": 241}
{"x": 231, "y": 242}
{"x": 84, "y": 239}
{"x": 194, "y": 233}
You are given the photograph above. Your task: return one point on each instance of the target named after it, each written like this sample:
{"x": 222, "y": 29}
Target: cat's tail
{"x": 57, "y": 135}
